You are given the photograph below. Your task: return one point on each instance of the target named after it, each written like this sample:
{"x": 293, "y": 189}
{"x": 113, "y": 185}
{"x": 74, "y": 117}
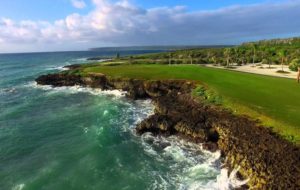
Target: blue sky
{"x": 37, "y": 9}
{"x": 50, "y": 25}
{"x": 196, "y": 4}
{"x": 55, "y": 9}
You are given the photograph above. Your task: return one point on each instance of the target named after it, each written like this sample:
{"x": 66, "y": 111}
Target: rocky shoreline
{"x": 269, "y": 161}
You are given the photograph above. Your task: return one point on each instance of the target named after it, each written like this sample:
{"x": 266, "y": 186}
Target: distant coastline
{"x": 159, "y": 47}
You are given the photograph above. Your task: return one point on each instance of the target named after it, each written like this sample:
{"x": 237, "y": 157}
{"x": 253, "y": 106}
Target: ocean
{"x": 71, "y": 138}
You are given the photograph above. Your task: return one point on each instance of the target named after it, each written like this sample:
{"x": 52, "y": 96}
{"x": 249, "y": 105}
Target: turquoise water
{"x": 80, "y": 138}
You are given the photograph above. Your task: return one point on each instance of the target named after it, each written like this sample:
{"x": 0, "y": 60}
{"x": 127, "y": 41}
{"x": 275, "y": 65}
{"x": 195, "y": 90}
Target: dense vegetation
{"x": 278, "y": 51}
{"x": 294, "y": 65}
{"x": 261, "y": 97}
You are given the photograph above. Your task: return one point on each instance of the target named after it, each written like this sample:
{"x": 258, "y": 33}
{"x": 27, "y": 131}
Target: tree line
{"x": 278, "y": 51}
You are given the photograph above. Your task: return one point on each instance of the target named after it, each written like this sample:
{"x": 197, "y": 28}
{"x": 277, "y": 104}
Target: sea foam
{"x": 19, "y": 187}
{"x": 192, "y": 167}
{"x": 77, "y": 89}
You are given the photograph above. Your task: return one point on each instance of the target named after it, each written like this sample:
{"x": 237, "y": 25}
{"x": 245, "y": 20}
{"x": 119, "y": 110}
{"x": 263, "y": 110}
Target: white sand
{"x": 262, "y": 70}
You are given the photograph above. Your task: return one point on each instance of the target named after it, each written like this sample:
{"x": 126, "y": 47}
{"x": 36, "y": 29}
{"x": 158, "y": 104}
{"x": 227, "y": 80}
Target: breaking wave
{"x": 77, "y": 89}
{"x": 192, "y": 167}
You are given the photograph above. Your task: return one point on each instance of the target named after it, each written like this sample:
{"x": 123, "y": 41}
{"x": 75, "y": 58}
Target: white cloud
{"x": 123, "y": 23}
{"x": 79, "y": 4}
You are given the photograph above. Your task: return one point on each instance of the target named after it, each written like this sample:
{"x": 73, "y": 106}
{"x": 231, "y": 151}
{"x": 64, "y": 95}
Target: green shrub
{"x": 294, "y": 65}
{"x": 199, "y": 91}
{"x": 265, "y": 61}
{"x": 208, "y": 95}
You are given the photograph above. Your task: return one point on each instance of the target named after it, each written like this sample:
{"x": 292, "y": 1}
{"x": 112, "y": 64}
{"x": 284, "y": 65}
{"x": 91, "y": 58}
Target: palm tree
{"x": 235, "y": 53}
{"x": 263, "y": 52}
{"x": 241, "y": 54}
{"x": 227, "y": 54}
{"x": 191, "y": 58}
{"x": 209, "y": 54}
{"x": 214, "y": 59}
{"x": 283, "y": 55}
{"x": 254, "y": 46}
{"x": 271, "y": 52}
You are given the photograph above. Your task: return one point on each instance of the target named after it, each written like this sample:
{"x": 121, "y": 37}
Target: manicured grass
{"x": 275, "y": 101}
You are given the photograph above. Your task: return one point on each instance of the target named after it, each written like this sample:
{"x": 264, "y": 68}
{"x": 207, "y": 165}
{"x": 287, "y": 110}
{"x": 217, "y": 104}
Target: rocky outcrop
{"x": 58, "y": 80}
{"x": 137, "y": 89}
{"x": 72, "y": 67}
{"x": 269, "y": 161}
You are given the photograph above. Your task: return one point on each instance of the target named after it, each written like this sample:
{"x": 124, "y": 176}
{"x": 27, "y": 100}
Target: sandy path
{"x": 262, "y": 70}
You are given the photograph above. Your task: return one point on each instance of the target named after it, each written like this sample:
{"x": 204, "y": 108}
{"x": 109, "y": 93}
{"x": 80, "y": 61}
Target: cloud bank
{"x": 123, "y": 23}
{"x": 79, "y": 4}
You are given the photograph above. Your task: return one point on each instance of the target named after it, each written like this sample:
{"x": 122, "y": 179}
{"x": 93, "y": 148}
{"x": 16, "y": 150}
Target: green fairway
{"x": 275, "y": 101}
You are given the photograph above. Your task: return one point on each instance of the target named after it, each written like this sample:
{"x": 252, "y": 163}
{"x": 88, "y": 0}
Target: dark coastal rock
{"x": 94, "y": 58}
{"x": 97, "y": 58}
{"x": 74, "y": 66}
{"x": 62, "y": 79}
{"x": 59, "y": 80}
{"x": 271, "y": 162}
{"x": 210, "y": 146}
{"x": 268, "y": 160}
{"x": 156, "y": 124}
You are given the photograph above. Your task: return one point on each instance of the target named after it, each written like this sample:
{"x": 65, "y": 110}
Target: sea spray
{"x": 228, "y": 181}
